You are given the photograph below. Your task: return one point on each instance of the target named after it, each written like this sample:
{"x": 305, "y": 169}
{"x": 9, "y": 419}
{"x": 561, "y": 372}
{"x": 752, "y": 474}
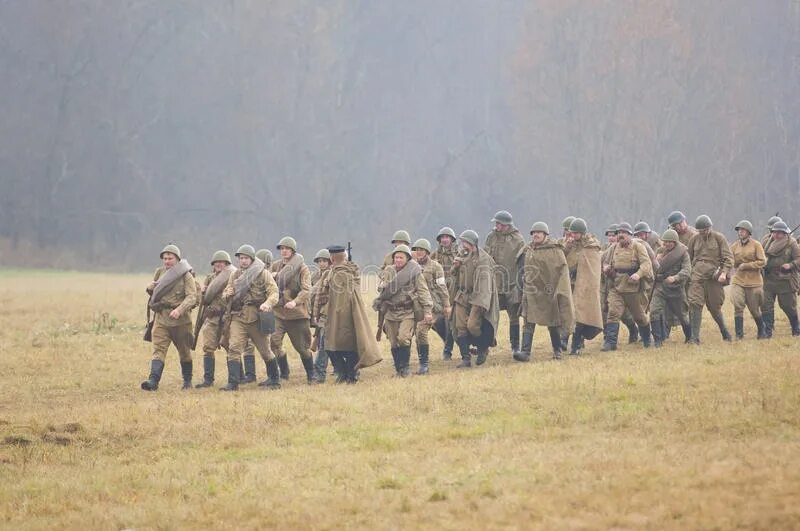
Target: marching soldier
{"x": 711, "y": 263}
{"x": 402, "y": 286}
{"x": 781, "y": 278}
{"x": 565, "y": 225}
{"x": 768, "y": 236}
{"x": 671, "y": 276}
{"x": 504, "y": 244}
{"x": 642, "y": 231}
{"x": 265, "y": 255}
{"x": 677, "y": 221}
{"x": 543, "y": 276}
{"x": 214, "y": 329}
{"x": 437, "y": 285}
{"x": 747, "y": 283}
{"x": 628, "y": 266}
{"x": 605, "y": 284}
{"x": 250, "y": 290}
{"x": 400, "y": 237}
{"x": 474, "y": 297}
{"x": 445, "y": 254}
{"x": 173, "y": 294}
{"x": 585, "y": 271}
{"x": 317, "y": 304}
{"x": 292, "y": 315}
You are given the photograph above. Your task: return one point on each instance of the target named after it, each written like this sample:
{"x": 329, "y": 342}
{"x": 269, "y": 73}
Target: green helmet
{"x": 265, "y": 255}
{"x": 578, "y": 225}
{"x": 567, "y": 222}
{"x": 446, "y": 231}
{"x": 171, "y": 248}
{"x": 246, "y": 250}
{"x": 625, "y": 227}
{"x": 504, "y": 217}
{"x": 470, "y": 236}
{"x": 422, "y": 243}
{"x": 746, "y": 225}
{"x": 780, "y": 226}
{"x": 702, "y": 222}
{"x": 322, "y": 254}
{"x": 612, "y": 229}
{"x": 402, "y": 236}
{"x": 675, "y": 217}
{"x": 540, "y": 226}
{"x": 670, "y": 236}
{"x": 772, "y": 221}
{"x": 642, "y": 226}
{"x": 288, "y": 241}
{"x": 221, "y": 256}
{"x": 402, "y": 248}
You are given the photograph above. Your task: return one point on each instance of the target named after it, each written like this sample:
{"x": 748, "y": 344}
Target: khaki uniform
{"x": 244, "y": 320}
{"x": 671, "y": 296}
{"x": 183, "y": 296}
{"x": 653, "y": 241}
{"x": 503, "y": 248}
{"x": 778, "y": 283}
{"x": 295, "y": 323}
{"x": 747, "y": 283}
{"x": 711, "y": 256}
{"x": 215, "y": 331}
{"x": 400, "y": 319}
{"x": 437, "y": 285}
{"x": 624, "y": 293}
{"x": 475, "y": 301}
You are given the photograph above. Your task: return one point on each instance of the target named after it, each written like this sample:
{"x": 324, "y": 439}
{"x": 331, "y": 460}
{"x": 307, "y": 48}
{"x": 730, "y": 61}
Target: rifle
{"x": 381, "y": 320}
{"x": 349, "y": 252}
{"x": 198, "y": 324}
{"x": 148, "y": 329}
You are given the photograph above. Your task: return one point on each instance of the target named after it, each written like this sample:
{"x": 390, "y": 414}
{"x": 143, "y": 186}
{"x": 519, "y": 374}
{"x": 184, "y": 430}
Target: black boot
{"x": 769, "y": 323}
{"x": 208, "y": 372}
{"x": 696, "y": 321}
{"x": 234, "y": 375}
{"x": 404, "y": 359}
{"x": 795, "y": 326}
{"x": 644, "y": 333}
{"x": 633, "y": 331}
{"x": 760, "y": 328}
{"x": 156, "y": 369}
{"x": 283, "y": 366}
{"x": 525, "y": 353}
{"x": 274, "y": 375}
{"x": 723, "y": 330}
{"x": 556, "y": 341}
{"x": 422, "y": 352}
{"x": 687, "y": 333}
{"x": 738, "y": 325}
{"x": 466, "y": 356}
{"x": 657, "y": 327}
{"x": 308, "y": 366}
{"x": 447, "y": 353}
{"x": 513, "y": 336}
{"x": 186, "y": 372}
{"x": 350, "y": 360}
{"x": 577, "y": 341}
{"x": 611, "y": 334}
{"x": 249, "y": 368}
{"x": 396, "y": 360}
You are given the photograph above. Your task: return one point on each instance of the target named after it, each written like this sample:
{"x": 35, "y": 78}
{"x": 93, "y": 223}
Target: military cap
{"x": 171, "y": 248}
{"x": 780, "y": 226}
{"x": 322, "y": 254}
{"x": 221, "y": 256}
{"x": 470, "y": 236}
{"x": 578, "y": 225}
{"x": 335, "y": 249}
{"x": 422, "y": 243}
{"x": 746, "y": 225}
{"x": 624, "y": 227}
{"x": 670, "y": 235}
{"x": 642, "y": 226}
{"x": 402, "y": 248}
{"x": 567, "y": 222}
{"x": 401, "y": 236}
{"x": 676, "y": 217}
{"x": 246, "y": 250}
{"x": 504, "y": 217}
{"x": 540, "y": 226}
{"x": 265, "y": 255}
{"x": 289, "y": 242}
{"x": 446, "y": 231}
{"x": 702, "y": 222}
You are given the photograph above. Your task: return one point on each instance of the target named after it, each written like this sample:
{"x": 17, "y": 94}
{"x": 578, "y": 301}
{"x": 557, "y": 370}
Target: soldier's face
{"x": 778, "y": 236}
{"x": 169, "y": 260}
{"x": 611, "y": 237}
{"x": 500, "y": 227}
{"x": 286, "y": 253}
{"x": 323, "y": 264}
{"x": 245, "y": 261}
{"x": 743, "y": 234}
{"x": 468, "y": 247}
{"x": 669, "y": 246}
{"x": 680, "y": 227}
{"x": 574, "y": 236}
{"x": 538, "y": 237}
{"x": 218, "y": 266}
{"x": 623, "y": 237}
{"x": 445, "y": 241}
{"x": 420, "y": 254}
{"x": 641, "y": 235}
{"x": 400, "y": 259}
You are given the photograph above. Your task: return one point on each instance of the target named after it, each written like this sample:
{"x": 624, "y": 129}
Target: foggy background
{"x": 129, "y": 124}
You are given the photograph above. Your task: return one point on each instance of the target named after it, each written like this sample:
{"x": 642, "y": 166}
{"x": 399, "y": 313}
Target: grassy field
{"x": 705, "y": 437}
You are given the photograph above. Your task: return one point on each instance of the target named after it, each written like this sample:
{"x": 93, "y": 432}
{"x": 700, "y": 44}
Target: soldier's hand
{"x": 150, "y": 287}
{"x": 176, "y": 313}
{"x": 447, "y": 312}
{"x": 786, "y": 267}
{"x": 607, "y": 268}
{"x": 290, "y": 305}
{"x": 722, "y": 278}
{"x": 635, "y": 277}
{"x": 428, "y": 318}
{"x": 203, "y": 290}
{"x": 670, "y": 279}
{"x": 265, "y": 307}
{"x": 228, "y": 292}
{"x": 456, "y": 264}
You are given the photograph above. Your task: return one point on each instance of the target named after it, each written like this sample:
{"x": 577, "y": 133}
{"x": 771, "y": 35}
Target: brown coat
{"x": 779, "y": 253}
{"x": 182, "y": 295}
{"x": 748, "y": 259}
{"x": 437, "y": 284}
{"x": 625, "y": 261}
{"x": 473, "y": 285}
{"x": 546, "y": 293}
{"x": 710, "y": 254}
{"x": 504, "y": 247}
{"x": 298, "y": 289}
{"x": 686, "y": 237}
{"x": 263, "y": 289}
{"x": 414, "y": 294}
{"x": 587, "y": 283}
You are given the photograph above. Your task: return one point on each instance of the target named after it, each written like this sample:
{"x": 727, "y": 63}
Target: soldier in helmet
{"x": 292, "y": 316}
{"x": 605, "y": 284}
{"x": 768, "y": 236}
{"x": 214, "y": 330}
{"x": 642, "y": 231}
{"x": 611, "y": 236}
{"x": 400, "y": 237}
{"x": 504, "y": 244}
{"x": 265, "y": 255}
{"x": 250, "y": 290}
{"x": 543, "y": 277}
{"x": 671, "y": 276}
{"x": 628, "y": 265}
{"x": 565, "y": 224}
{"x": 173, "y": 294}
{"x": 445, "y": 254}
{"x": 437, "y": 285}
{"x": 747, "y": 285}
{"x": 323, "y": 262}
{"x": 403, "y": 286}
{"x": 585, "y": 271}
{"x": 474, "y": 298}
{"x": 781, "y": 278}
{"x": 711, "y": 264}
{"x": 677, "y": 222}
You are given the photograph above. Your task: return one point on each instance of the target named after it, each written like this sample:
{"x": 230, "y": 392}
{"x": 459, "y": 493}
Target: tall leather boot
{"x": 350, "y": 362}
{"x": 283, "y": 366}
{"x": 760, "y": 328}
{"x": 633, "y": 330}
{"x": 513, "y": 336}
{"x": 696, "y": 321}
{"x": 723, "y": 330}
{"x": 466, "y": 355}
{"x": 274, "y": 376}
{"x": 208, "y": 372}
{"x": 234, "y": 375}
{"x": 447, "y": 353}
{"x": 794, "y": 323}
{"x": 186, "y": 372}
{"x": 577, "y": 340}
{"x": 611, "y": 334}
{"x": 422, "y": 352}
{"x": 644, "y": 333}
{"x": 657, "y": 327}
{"x": 404, "y": 359}
{"x": 308, "y": 365}
{"x": 769, "y": 323}
{"x": 156, "y": 369}
{"x": 687, "y": 333}
{"x": 396, "y": 360}
{"x": 556, "y": 341}
{"x": 525, "y": 352}
{"x": 738, "y": 325}
{"x": 249, "y": 362}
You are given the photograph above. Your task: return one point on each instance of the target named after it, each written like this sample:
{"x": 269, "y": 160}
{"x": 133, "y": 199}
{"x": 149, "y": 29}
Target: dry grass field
{"x": 682, "y": 438}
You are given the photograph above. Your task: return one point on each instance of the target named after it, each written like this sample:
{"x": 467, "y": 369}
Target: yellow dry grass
{"x": 681, "y": 437}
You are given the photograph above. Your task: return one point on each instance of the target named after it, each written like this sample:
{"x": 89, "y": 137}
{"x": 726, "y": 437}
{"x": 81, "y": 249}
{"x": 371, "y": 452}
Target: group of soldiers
{"x": 575, "y": 285}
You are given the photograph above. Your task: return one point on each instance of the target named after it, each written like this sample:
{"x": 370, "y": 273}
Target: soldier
{"x": 323, "y": 262}
{"x": 437, "y": 285}
{"x": 605, "y": 285}
{"x": 348, "y": 339}
{"x": 677, "y": 221}
{"x": 504, "y": 244}
{"x": 173, "y": 294}
{"x": 671, "y": 276}
{"x": 611, "y": 236}
{"x": 628, "y": 265}
{"x": 642, "y": 231}
{"x": 265, "y": 255}
{"x": 402, "y": 286}
{"x": 585, "y": 271}
{"x": 250, "y": 290}
{"x": 543, "y": 277}
{"x": 474, "y": 298}
{"x": 711, "y": 263}
{"x": 747, "y": 285}
{"x": 768, "y": 236}
{"x": 214, "y": 329}
{"x": 781, "y": 278}
{"x": 445, "y": 254}
{"x": 565, "y": 224}
{"x": 292, "y": 315}
{"x": 400, "y": 237}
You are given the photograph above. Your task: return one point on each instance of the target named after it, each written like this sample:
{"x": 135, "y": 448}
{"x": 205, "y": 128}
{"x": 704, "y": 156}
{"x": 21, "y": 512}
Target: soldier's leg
{"x": 182, "y": 338}
{"x": 616, "y": 307}
{"x": 237, "y": 342}
{"x": 768, "y": 312}
{"x": 393, "y": 333}
{"x": 513, "y": 326}
{"x": 321, "y": 360}
{"x": 755, "y": 298}
{"x": 788, "y": 303}
{"x": 697, "y": 300}
{"x": 637, "y": 306}
{"x": 423, "y": 347}
{"x": 461, "y": 334}
{"x": 658, "y": 310}
{"x": 211, "y": 340}
{"x": 629, "y": 322}
{"x": 443, "y": 330}
{"x": 715, "y": 297}
{"x": 161, "y": 341}
{"x": 276, "y": 344}
{"x": 678, "y": 307}
{"x": 262, "y": 343}
{"x": 405, "y": 334}
{"x": 738, "y": 298}
{"x": 299, "y": 332}
{"x": 526, "y": 347}
{"x": 249, "y": 363}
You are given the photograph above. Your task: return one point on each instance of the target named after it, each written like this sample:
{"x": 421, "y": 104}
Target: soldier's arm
{"x": 441, "y": 286}
{"x": 150, "y": 287}
{"x": 190, "y": 288}
{"x": 686, "y": 269}
{"x": 726, "y": 260}
{"x": 758, "y": 263}
{"x": 229, "y": 290}
{"x": 423, "y": 294}
{"x": 645, "y": 265}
